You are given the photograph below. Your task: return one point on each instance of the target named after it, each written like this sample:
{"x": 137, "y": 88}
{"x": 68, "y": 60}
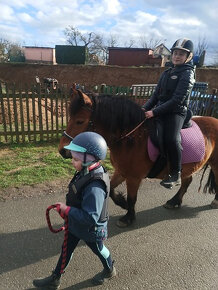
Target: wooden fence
{"x": 26, "y": 115}
{"x": 29, "y": 115}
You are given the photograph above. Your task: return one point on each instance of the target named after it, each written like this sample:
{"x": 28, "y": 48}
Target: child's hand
{"x": 62, "y": 209}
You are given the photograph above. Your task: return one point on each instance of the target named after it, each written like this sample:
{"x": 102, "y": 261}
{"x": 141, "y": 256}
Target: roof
{"x": 38, "y": 47}
{"x": 128, "y": 48}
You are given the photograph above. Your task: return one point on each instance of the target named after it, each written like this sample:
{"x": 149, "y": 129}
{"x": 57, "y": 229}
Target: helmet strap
{"x": 190, "y": 56}
{"x": 86, "y": 165}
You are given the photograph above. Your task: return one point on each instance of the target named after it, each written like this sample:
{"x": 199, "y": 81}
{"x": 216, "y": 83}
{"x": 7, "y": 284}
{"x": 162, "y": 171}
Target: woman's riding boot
{"x": 51, "y": 282}
{"x": 172, "y": 180}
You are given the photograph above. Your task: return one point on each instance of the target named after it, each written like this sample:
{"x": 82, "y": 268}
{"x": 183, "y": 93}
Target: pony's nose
{"x": 65, "y": 153}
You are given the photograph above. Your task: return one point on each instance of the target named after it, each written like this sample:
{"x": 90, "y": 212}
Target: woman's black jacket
{"x": 173, "y": 91}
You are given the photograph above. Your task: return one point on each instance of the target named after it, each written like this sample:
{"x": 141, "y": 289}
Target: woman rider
{"x": 170, "y": 102}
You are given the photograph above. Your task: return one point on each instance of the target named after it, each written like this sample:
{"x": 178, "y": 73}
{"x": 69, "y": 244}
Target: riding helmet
{"x": 90, "y": 143}
{"x": 183, "y": 44}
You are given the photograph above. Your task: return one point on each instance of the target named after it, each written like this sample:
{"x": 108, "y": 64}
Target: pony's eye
{"x": 79, "y": 122}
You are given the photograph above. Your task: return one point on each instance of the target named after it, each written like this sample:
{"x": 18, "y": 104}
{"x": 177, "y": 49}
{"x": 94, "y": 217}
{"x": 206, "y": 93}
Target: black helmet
{"x": 183, "y": 44}
{"x": 90, "y": 143}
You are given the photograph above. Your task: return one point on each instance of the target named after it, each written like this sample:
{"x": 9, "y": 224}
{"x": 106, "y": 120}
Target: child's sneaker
{"x": 51, "y": 282}
{"x": 104, "y": 276}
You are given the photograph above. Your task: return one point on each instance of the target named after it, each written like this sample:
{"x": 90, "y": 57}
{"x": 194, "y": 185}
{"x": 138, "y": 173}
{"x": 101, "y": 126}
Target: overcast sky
{"x": 41, "y": 23}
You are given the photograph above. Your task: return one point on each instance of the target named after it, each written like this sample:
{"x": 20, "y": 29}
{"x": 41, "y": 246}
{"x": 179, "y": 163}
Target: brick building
{"x": 133, "y": 57}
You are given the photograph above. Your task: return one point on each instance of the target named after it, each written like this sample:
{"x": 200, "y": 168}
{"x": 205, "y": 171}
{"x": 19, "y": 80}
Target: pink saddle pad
{"x": 192, "y": 143}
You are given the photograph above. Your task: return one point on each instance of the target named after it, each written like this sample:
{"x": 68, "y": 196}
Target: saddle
{"x": 192, "y": 140}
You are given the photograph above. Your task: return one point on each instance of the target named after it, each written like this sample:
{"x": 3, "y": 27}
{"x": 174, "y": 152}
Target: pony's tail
{"x": 210, "y": 186}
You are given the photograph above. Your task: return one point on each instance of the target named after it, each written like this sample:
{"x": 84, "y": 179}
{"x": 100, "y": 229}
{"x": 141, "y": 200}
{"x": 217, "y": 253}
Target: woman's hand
{"x": 149, "y": 114}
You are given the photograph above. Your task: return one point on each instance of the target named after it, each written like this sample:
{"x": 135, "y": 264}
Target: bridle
{"x": 89, "y": 128}
{"x": 67, "y": 135}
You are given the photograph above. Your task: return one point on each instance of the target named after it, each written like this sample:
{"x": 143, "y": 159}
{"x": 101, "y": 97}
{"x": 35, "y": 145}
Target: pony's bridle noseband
{"x": 67, "y": 135}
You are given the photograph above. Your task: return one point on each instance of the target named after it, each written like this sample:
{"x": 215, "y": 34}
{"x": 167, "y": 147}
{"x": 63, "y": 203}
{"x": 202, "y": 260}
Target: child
{"x": 170, "y": 102}
{"x": 86, "y": 207}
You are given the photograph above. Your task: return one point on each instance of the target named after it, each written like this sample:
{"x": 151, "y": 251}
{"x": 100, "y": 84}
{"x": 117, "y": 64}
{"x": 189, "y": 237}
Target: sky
{"x": 42, "y": 23}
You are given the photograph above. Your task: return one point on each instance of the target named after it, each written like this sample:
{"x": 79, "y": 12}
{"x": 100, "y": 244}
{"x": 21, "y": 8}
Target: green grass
{"x": 30, "y": 164}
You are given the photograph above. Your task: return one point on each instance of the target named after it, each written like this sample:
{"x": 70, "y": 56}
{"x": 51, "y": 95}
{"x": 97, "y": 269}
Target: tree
{"x": 149, "y": 43}
{"x": 200, "y": 51}
{"x": 3, "y": 50}
{"x": 91, "y": 40}
{"x": 201, "y": 46}
{"x": 101, "y": 44}
{"x": 130, "y": 43}
{"x": 10, "y": 52}
{"x": 96, "y": 44}
{"x": 15, "y": 53}
{"x": 75, "y": 37}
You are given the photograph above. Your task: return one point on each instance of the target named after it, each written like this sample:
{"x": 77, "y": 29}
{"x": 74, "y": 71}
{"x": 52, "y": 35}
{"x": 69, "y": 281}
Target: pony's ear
{"x": 86, "y": 99}
{"x": 73, "y": 90}
{"x": 75, "y": 93}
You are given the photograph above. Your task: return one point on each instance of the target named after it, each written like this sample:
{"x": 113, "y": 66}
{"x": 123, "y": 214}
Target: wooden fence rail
{"x": 27, "y": 115}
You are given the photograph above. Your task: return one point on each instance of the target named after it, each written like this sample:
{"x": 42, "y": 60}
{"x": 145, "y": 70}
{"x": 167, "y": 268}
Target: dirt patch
{"x": 27, "y": 166}
{"x": 28, "y": 191}
{"x": 6, "y": 152}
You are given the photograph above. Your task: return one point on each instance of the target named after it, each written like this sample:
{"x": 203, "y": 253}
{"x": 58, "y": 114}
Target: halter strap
{"x": 67, "y": 135}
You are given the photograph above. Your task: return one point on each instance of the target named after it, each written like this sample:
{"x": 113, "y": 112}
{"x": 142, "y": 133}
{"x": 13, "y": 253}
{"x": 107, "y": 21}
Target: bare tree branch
{"x": 149, "y": 43}
{"x": 201, "y": 46}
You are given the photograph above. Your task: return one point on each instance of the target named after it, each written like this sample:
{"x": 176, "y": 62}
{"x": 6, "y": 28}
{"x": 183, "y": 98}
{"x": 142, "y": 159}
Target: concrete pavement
{"x": 164, "y": 249}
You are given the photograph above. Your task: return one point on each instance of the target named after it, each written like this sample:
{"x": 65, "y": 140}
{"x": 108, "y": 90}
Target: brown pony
{"x": 117, "y": 118}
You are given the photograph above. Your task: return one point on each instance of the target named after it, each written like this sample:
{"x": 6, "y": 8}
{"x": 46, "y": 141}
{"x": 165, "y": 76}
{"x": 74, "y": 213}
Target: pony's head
{"x": 80, "y": 111}
{"x": 110, "y": 116}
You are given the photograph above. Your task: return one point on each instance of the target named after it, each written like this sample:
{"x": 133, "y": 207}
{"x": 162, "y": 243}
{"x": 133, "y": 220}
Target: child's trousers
{"x": 98, "y": 248}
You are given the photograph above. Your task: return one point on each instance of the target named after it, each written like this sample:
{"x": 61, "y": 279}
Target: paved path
{"x": 164, "y": 249}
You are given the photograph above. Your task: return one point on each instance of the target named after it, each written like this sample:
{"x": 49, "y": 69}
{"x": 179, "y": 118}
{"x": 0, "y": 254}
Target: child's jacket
{"x": 88, "y": 198}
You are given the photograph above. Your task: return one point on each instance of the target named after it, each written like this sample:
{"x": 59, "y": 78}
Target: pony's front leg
{"x": 132, "y": 190}
{"x": 118, "y": 198}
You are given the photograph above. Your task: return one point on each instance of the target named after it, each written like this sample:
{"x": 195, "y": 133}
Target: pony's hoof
{"x": 121, "y": 224}
{"x": 214, "y": 204}
{"x": 171, "y": 206}
{"x": 124, "y": 222}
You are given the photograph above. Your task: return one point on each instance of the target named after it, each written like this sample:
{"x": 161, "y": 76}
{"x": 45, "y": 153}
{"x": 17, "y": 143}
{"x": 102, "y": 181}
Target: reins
{"x": 65, "y": 228}
{"x": 132, "y": 131}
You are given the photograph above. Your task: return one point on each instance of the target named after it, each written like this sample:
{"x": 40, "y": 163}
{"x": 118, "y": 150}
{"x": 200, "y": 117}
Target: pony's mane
{"x": 115, "y": 113}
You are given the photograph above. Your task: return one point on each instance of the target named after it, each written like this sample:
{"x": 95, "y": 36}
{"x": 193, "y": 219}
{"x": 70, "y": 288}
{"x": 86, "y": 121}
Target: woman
{"x": 169, "y": 103}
